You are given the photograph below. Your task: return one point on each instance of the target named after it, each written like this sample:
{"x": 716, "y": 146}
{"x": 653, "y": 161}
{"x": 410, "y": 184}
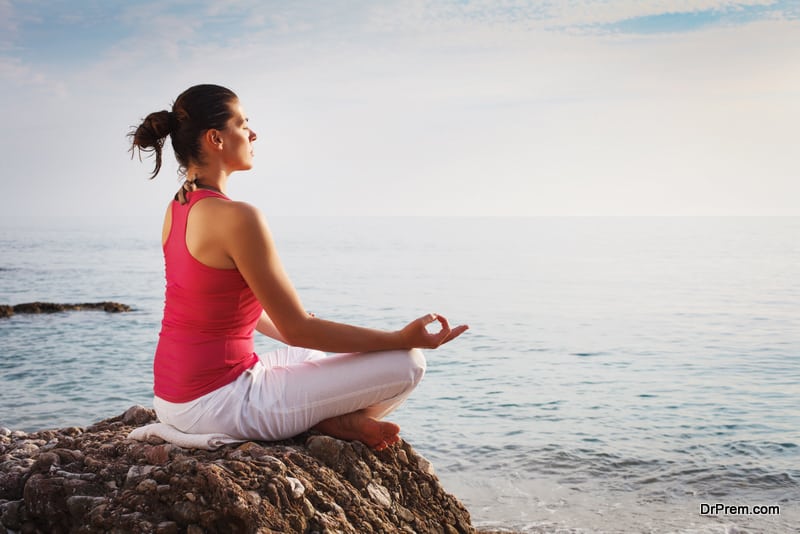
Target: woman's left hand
{"x": 417, "y": 335}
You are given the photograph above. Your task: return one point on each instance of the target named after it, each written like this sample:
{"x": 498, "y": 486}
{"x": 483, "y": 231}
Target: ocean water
{"x": 619, "y": 373}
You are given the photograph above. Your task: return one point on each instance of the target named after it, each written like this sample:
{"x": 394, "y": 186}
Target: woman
{"x": 225, "y": 280}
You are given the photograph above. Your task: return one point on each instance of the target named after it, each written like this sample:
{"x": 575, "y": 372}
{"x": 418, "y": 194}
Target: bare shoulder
{"x": 245, "y": 216}
{"x": 234, "y": 220}
{"x": 244, "y": 210}
{"x": 227, "y": 212}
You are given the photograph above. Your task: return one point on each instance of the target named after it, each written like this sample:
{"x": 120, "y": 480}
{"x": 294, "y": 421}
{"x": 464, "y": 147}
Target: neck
{"x": 207, "y": 179}
{"x": 201, "y": 185}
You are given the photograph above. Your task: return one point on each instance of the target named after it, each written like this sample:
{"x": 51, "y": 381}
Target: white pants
{"x": 292, "y": 389}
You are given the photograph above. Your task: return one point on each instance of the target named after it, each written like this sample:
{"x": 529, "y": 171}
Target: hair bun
{"x": 172, "y": 121}
{"x": 149, "y": 136}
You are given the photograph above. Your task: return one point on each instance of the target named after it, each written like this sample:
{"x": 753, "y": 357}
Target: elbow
{"x": 296, "y": 334}
{"x": 292, "y": 340}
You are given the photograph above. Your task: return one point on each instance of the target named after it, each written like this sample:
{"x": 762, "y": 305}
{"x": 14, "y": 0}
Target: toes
{"x": 386, "y": 443}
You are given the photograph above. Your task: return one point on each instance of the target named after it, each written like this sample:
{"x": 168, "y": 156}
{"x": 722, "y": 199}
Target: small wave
{"x": 22, "y": 375}
{"x": 671, "y": 476}
{"x": 720, "y": 480}
{"x": 758, "y": 449}
{"x": 549, "y": 405}
{"x": 588, "y": 354}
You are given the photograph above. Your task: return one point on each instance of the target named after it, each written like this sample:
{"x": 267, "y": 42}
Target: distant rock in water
{"x": 96, "y": 480}
{"x": 52, "y": 307}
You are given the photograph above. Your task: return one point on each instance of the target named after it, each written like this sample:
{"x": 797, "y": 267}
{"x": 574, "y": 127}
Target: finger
{"x": 428, "y": 319}
{"x": 457, "y": 331}
{"x": 443, "y": 321}
{"x": 441, "y": 336}
{"x": 429, "y": 331}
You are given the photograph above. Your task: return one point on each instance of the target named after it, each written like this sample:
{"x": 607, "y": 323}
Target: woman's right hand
{"x": 416, "y": 335}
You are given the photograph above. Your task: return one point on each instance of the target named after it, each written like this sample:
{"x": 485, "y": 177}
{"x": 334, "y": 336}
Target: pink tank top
{"x": 206, "y": 338}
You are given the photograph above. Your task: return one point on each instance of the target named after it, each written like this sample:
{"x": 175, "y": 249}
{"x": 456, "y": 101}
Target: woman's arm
{"x": 268, "y": 328}
{"x": 249, "y": 244}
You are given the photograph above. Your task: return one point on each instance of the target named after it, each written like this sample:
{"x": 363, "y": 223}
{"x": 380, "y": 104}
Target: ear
{"x": 213, "y": 139}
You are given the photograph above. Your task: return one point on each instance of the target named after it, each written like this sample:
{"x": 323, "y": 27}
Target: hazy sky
{"x": 581, "y": 107}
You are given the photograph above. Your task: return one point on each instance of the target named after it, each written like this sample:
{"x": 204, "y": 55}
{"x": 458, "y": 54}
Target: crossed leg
{"x": 293, "y": 389}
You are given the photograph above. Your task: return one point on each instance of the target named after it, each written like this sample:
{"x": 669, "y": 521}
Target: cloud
{"x": 693, "y": 17}
{"x": 583, "y": 15}
{"x": 19, "y": 77}
{"x": 598, "y": 13}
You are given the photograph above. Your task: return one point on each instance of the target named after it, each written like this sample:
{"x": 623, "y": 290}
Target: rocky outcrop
{"x": 52, "y": 307}
{"x": 96, "y": 480}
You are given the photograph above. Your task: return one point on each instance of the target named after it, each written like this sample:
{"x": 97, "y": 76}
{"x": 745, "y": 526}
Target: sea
{"x": 620, "y": 374}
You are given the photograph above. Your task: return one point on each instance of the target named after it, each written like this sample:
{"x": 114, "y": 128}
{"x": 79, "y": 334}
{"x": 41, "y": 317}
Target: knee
{"x": 417, "y": 364}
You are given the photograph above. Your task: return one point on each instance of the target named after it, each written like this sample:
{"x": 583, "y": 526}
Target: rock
{"x": 96, "y": 480}
{"x": 135, "y": 472}
{"x": 297, "y": 487}
{"x": 167, "y": 527}
{"x": 53, "y": 307}
{"x": 147, "y": 485}
{"x": 380, "y": 495}
{"x": 425, "y": 465}
{"x": 10, "y": 513}
{"x": 78, "y": 505}
{"x": 160, "y": 454}
{"x": 138, "y": 415}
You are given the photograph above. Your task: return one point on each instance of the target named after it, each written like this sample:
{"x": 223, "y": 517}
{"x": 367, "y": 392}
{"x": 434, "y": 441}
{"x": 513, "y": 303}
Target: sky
{"x": 412, "y": 107}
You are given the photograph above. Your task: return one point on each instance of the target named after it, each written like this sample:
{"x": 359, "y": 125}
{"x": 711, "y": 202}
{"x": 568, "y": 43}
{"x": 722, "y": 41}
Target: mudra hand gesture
{"x": 418, "y": 336}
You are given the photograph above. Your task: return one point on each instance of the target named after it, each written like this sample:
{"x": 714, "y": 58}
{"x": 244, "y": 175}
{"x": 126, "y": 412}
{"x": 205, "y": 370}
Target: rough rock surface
{"x": 94, "y": 479}
{"x": 52, "y": 307}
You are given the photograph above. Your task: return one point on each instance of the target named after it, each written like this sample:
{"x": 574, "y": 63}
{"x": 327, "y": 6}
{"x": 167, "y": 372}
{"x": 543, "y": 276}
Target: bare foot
{"x": 358, "y": 426}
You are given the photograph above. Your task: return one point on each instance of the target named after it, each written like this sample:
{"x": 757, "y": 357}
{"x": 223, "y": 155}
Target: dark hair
{"x": 198, "y": 109}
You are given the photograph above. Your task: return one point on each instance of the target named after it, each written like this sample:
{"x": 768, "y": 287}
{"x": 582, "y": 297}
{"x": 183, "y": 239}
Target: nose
{"x": 253, "y": 136}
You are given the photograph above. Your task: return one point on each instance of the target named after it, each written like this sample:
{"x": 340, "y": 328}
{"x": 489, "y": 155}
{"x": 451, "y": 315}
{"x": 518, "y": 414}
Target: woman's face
{"x": 237, "y": 141}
